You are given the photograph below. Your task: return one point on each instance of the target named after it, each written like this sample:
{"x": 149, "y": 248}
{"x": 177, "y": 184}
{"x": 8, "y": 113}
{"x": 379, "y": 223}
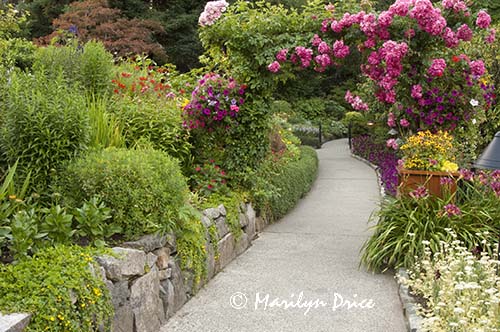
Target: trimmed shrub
{"x": 291, "y": 182}
{"x": 144, "y": 188}
{"x": 44, "y": 123}
{"x": 60, "y": 288}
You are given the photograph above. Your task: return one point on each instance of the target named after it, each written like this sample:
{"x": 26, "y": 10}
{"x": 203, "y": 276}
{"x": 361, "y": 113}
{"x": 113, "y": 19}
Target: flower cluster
{"x": 215, "y": 103}
{"x": 385, "y": 159}
{"x": 213, "y": 11}
{"x": 460, "y": 287}
{"x": 489, "y": 181}
{"x": 141, "y": 83}
{"x": 407, "y": 65}
{"x": 209, "y": 178}
{"x": 429, "y": 151}
{"x": 355, "y": 101}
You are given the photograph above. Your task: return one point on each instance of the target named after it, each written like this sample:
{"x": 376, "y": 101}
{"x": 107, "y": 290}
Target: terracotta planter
{"x": 410, "y": 180}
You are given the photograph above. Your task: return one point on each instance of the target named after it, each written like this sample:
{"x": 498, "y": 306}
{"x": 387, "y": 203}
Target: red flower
{"x": 142, "y": 78}
{"x": 126, "y": 74}
{"x": 455, "y": 58}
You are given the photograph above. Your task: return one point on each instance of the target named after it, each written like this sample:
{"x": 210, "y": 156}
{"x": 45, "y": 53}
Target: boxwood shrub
{"x": 59, "y": 288}
{"x": 144, "y": 188}
{"x": 292, "y": 182}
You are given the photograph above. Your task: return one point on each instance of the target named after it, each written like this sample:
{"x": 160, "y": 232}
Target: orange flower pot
{"x": 410, "y": 180}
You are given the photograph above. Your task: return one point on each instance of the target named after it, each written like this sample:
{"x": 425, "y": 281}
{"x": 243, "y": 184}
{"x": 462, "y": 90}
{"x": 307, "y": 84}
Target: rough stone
{"x": 146, "y": 303}
{"x": 207, "y": 222}
{"x": 249, "y": 229}
{"x": 212, "y": 213}
{"x": 260, "y": 224}
{"x": 119, "y": 292}
{"x": 210, "y": 261}
{"x": 250, "y": 213}
{"x": 243, "y": 220}
{"x": 189, "y": 285}
{"x": 147, "y": 243}
{"x": 171, "y": 242}
{"x": 14, "y": 322}
{"x": 242, "y": 244}
{"x": 226, "y": 251}
{"x": 123, "y": 320}
{"x": 222, "y": 228}
{"x": 151, "y": 260}
{"x": 128, "y": 263}
{"x": 178, "y": 284}
{"x": 164, "y": 274}
{"x": 163, "y": 255}
{"x": 167, "y": 296}
{"x": 222, "y": 210}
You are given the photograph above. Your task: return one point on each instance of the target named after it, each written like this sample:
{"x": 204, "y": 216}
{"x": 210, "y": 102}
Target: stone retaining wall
{"x": 144, "y": 278}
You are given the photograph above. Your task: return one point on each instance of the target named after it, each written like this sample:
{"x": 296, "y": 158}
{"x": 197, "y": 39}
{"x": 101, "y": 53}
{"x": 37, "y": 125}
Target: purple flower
{"x": 420, "y": 192}
{"x": 451, "y": 210}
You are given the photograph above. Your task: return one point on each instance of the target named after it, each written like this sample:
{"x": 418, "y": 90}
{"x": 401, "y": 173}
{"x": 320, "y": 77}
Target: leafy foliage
{"x": 34, "y": 285}
{"x": 144, "y": 188}
{"x": 44, "y": 124}
{"x": 94, "y": 19}
{"x": 89, "y": 67}
{"x": 288, "y": 182}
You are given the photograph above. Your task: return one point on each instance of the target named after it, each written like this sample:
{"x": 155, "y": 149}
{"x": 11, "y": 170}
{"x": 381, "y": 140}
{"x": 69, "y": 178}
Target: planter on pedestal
{"x": 410, "y": 180}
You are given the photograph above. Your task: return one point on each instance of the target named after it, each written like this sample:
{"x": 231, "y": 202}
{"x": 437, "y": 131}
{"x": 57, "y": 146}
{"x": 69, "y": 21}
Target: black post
{"x": 349, "y": 133}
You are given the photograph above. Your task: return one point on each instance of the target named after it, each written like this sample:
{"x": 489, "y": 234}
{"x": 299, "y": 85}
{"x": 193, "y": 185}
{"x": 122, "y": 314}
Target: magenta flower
{"x": 451, "y": 210}
{"x": 445, "y": 181}
{"x": 420, "y": 192}
{"x": 391, "y": 120}
{"x": 392, "y": 143}
{"x": 483, "y": 19}
{"x": 274, "y": 67}
{"x": 437, "y": 67}
{"x": 404, "y": 123}
{"x": 281, "y": 56}
{"x": 490, "y": 39}
{"x": 340, "y": 50}
{"x": 464, "y": 33}
{"x": 466, "y": 174}
{"x": 416, "y": 91}
{"x": 477, "y": 68}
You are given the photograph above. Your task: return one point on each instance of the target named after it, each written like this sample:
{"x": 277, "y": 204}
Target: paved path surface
{"x": 313, "y": 250}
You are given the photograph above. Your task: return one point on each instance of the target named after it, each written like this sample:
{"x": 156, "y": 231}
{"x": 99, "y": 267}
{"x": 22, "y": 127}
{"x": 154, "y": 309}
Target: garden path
{"x": 314, "y": 250}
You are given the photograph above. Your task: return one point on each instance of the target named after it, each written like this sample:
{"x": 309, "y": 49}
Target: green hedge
{"x": 292, "y": 182}
{"x": 58, "y": 286}
{"x": 144, "y": 188}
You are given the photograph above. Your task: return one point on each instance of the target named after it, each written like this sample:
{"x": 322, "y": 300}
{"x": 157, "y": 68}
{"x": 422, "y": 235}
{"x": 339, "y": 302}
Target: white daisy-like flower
{"x": 474, "y": 102}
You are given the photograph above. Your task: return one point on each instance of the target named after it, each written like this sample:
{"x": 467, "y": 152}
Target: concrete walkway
{"x": 309, "y": 259}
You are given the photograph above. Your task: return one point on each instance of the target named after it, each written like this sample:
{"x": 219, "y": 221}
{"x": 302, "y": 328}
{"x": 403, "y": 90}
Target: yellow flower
{"x": 185, "y": 103}
{"x": 52, "y": 318}
{"x": 449, "y": 166}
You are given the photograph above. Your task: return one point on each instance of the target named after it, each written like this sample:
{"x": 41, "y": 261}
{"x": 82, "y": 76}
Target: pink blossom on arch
{"x": 274, "y": 67}
{"x": 437, "y": 67}
{"x": 391, "y": 120}
{"x": 464, "y": 33}
{"x": 282, "y": 54}
{"x": 340, "y": 50}
{"x": 477, "y": 68}
{"x": 483, "y": 19}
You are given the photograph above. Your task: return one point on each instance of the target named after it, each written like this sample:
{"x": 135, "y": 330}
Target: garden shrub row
{"x": 292, "y": 182}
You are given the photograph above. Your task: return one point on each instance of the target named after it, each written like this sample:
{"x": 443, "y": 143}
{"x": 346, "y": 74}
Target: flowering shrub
{"x": 213, "y": 10}
{"x": 428, "y": 151}
{"x": 409, "y": 57}
{"x": 209, "y": 178}
{"x": 378, "y": 154}
{"x": 460, "y": 288}
{"x": 215, "y": 103}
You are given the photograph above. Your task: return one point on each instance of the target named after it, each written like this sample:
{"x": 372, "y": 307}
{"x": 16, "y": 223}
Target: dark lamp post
{"x": 490, "y": 159}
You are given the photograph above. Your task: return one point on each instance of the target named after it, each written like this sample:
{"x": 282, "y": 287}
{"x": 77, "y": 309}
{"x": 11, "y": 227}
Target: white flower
{"x": 474, "y": 121}
{"x": 474, "y": 102}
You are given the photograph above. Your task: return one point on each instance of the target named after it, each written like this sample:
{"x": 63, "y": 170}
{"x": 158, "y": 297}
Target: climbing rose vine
{"x": 409, "y": 55}
{"x": 213, "y": 11}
